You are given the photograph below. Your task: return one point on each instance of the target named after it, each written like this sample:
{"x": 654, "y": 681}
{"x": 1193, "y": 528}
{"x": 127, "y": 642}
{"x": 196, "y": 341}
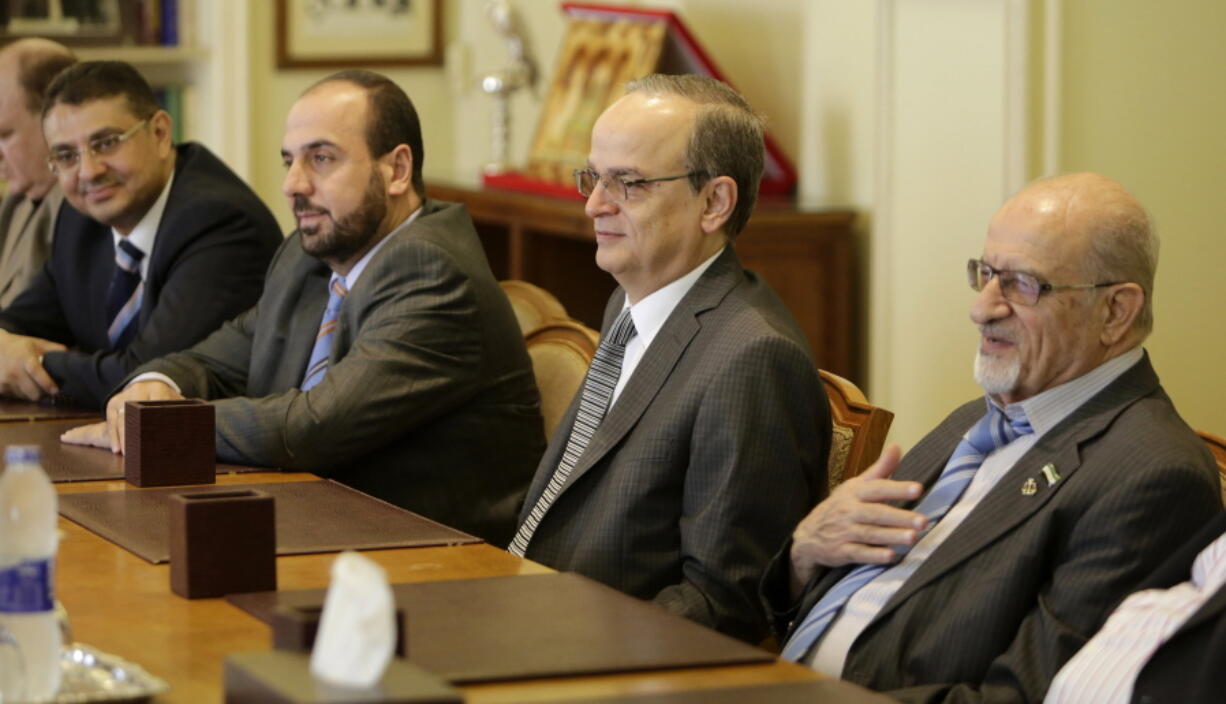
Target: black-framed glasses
{"x": 620, "y": 188}
{"x": 1017, "y": 286}
{"x": 68, "y": 158}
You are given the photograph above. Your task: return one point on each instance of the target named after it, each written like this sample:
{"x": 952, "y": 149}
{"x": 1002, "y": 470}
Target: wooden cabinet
{"x": 808, "y": 258}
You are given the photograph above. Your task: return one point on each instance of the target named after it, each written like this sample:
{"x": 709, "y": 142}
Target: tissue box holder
{"x": 169, "y": 443}
{"x": 222, "y": 543}
{"x": 282, "y": 677}
{"x": 294, "y": 628}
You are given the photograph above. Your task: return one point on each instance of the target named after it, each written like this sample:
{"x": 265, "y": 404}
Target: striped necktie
{"x": 317, "y": 367}
{"x": 123, "y": 295}
{"x": 992, "y": 432}
{"x": 593, "y": 404}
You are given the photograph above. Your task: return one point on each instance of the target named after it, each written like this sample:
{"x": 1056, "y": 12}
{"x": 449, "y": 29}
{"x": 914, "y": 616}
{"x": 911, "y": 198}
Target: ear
{"x": 720, "y": 201}
{"x": 1122, "y": 306}
{"x": 397, "y": 168}
{"x": 162, "y": 126}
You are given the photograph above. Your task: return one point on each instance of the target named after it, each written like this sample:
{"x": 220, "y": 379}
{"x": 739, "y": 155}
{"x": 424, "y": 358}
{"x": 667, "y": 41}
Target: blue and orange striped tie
{"x": 318, "y": 366}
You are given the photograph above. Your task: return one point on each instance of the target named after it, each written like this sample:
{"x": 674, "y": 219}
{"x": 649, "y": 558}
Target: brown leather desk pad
{"x": 533, "y": 626}
{"x": 311, "y": 517}
{"x": 14, "y": 410}
{"x": 74, "y": 463}
{"x": 808, "y": 692}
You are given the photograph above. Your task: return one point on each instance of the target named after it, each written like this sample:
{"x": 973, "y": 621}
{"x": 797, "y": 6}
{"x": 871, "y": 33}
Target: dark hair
{"x": 35, "y": 71}
{"x": 392, "y": 121}
{"x": 726, "y": 141}
{"x": 94, "y": 80}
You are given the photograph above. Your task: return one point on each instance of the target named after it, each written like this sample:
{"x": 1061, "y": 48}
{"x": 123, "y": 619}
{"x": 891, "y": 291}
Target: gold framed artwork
{"x": 359, "y": 33}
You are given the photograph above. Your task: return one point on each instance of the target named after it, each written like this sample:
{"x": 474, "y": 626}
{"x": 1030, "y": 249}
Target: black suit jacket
{"x": 1024, "y": 581}
{"x": 213, "y": 244}
{"x": 1188, "y": 667}
{"x": 429, "y": 401}
{"x": 716, "y": 447}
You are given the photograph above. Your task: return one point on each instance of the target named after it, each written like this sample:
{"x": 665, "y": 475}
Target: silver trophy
{"x": 520, "y": 72}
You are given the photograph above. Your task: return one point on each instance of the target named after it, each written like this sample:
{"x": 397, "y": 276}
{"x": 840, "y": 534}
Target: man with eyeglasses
{"x": 33, "y": 197}
{"x": 974, "y": 567}
{"x": 157, "y": 245}
{"x": 701, "y": 432}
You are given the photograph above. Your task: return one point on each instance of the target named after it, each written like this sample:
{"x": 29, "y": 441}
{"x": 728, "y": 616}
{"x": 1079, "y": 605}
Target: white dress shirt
{"x": 1044, "y": 412}
{"x": 146, "y": 231}
{"x": 649, "y": 315}
{"x": 1105, "y": 669}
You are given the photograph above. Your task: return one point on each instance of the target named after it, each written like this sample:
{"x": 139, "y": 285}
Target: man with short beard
{"x": 383, "y": 353}
{"x": 974, "y": 567}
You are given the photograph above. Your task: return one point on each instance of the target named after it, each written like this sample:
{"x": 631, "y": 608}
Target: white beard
{"x": 996, "y": 376}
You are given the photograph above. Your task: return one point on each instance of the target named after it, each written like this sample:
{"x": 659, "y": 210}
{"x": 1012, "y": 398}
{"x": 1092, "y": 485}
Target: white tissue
{"x": 357, "y": 630}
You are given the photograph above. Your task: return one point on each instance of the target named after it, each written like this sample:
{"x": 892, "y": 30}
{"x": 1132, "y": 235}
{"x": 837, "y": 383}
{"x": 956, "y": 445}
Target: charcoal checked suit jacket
{"x": 715, "y": 448}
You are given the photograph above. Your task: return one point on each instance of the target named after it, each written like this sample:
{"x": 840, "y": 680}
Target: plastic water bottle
{"x": 28, "y": 540}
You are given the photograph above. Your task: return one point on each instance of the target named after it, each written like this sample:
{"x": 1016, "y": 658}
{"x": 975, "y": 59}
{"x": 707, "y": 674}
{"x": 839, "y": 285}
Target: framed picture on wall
{"x": 358, "y": 33}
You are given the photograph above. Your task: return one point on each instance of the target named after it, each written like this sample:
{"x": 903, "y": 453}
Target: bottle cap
{"x": 22, "y": 454}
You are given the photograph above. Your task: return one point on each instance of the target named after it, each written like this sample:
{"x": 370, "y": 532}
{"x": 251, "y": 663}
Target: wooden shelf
{"x": 808, "y": 258}
{"x": 146, "y": 56}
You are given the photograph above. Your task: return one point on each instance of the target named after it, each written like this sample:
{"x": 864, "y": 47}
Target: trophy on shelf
{"x": 604, "y": 47}
{"x": 519, "y": 73}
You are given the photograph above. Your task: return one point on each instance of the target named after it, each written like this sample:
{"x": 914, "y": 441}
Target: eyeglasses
{"x": 620, "y": 188}
{"x": 1016, "y": 286}
{"x": 98, "y": 147}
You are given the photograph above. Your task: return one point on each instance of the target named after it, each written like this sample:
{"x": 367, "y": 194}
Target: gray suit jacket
{"x": 715, "y": 448}
{"x": 26, "y": 228}
{"x": 429, "y": 401}
{"x": 1025, "y": 580}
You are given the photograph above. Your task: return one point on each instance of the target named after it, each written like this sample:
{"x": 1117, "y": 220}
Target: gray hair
{"x": 1124, "y": 247}
{"x": 726, "y": 141}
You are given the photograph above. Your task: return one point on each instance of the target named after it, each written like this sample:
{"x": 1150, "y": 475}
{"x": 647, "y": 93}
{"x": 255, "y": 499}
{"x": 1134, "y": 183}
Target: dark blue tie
{"x": 123, "y": 296}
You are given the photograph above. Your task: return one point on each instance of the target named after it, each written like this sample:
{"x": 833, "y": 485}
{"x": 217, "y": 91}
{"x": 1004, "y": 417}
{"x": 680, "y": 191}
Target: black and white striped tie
{"x": 593, "y": 404}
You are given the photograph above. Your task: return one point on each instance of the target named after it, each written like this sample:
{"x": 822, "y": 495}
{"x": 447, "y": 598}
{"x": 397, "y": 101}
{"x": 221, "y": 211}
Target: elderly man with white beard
{"x": 978, "y": 564}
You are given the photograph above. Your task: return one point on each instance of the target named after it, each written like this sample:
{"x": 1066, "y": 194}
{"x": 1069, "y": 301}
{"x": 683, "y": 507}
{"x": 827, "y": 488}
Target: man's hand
{"x": 151, "y": 390}
{"x": 93, "y": 435}
{"x": 853, "y": 525}
{"x": 21, "y": 367}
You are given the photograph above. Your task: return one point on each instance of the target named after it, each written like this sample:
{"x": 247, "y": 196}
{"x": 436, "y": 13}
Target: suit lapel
{"x": 1006, "y": 506}
{"x": 304, "y": 322}
{"x": 659, "y": 360}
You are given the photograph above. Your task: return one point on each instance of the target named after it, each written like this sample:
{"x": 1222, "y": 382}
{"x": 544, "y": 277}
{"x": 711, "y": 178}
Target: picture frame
{"x": 359, "y": 33}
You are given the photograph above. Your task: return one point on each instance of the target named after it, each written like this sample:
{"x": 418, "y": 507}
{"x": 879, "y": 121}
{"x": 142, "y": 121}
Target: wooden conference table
{"x": 122, "y": 605}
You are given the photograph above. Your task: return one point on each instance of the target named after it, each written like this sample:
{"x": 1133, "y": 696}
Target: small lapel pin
{"x": 1030, "y": 487}
{"x": 1050, "y": 474}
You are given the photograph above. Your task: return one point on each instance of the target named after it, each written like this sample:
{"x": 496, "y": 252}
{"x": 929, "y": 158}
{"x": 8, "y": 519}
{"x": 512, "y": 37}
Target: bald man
{"x": 972, "y": 569}
{"x": 33, "y": 197}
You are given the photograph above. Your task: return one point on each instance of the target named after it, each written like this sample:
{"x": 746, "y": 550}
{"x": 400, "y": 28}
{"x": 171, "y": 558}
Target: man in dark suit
{"x": 160, "y": 245}
{"x": 382, "y": 352}
{"x": 1165, "y": 642}
{"x": 1002, "y": 538}
{"x": 701, "y": 432}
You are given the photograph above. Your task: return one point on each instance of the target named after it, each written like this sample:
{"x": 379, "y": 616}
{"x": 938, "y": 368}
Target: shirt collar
{"x": 650, "y": 313}
{"x": 351, "y": 279}
{"x": 1047, "y": 409}
{"x": 146, "y": 231}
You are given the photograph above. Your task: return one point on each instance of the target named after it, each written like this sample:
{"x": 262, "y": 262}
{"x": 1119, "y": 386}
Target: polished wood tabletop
{"x": 122, "y": 605}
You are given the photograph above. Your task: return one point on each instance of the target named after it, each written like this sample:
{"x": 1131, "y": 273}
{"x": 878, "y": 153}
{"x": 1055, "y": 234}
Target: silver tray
{"x": 93, "y": 676}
